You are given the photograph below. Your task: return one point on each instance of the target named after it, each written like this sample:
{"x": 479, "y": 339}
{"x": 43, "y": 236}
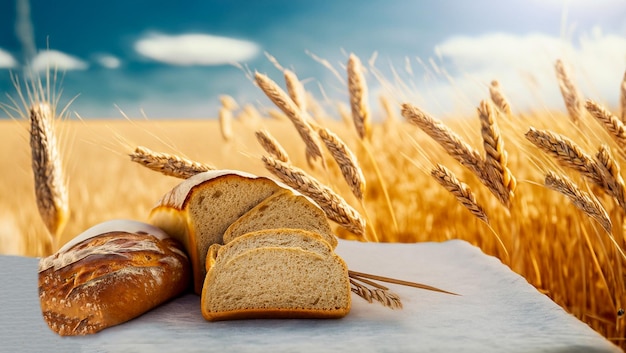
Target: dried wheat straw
{"x": 570, "y": 93}
{"x": 282, "y": 101}
{"x": 567, "y": 153}
{"x": 611, "y": 123}
{"x": 362, "y": 276}
{"x": 295, "y": 89}
{"x": 495, "y": 155}
{"x": 582, "y": 200}
{"x": 611, "y": 173}
{"x": 228, "y": 102}
{"x": 225, "y": 118}
{"x": 385, "y": 297}
{"x": 622, "y": 98}
{"x": 358, "y": 97}
{"x": 168, "y": 164}
{"x": 50, "y": 189}
{"x": 333, "y": 205}
{"x": 271, "y": 146}
{"x": 460, "y": 190}
{"x": 346, "y": 160}
{"x": 499, "y": 99}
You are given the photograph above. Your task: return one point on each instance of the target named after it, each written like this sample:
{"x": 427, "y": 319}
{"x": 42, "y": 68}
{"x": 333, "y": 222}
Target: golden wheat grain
{"x": 358, "y": 98}
{"x": 282, "y": 101}
{"x": 228, "y": 102}
{"x": 271, "y": 146}
{"x": 499, "y": 99}
{"x": 168, "y": 164}
{"x": 622, "y": 98}
{"x": 385, "y": 297}
{"x": 335, "y": 207}
{"x": 571, "y": 96}
{"x": 50, "y": 188}
{"x": 495, "y": 155}
{"x": 225, "y": 117}
{"x": 460, "y": 190}
{"x": 611, "y": 173}
{"x": 347, "y": 161}
{"x": 567, "y": 153}
{"x": 611, "y": 123}
{"x": 582, "y": 200}
{"x": 295, "y": 89}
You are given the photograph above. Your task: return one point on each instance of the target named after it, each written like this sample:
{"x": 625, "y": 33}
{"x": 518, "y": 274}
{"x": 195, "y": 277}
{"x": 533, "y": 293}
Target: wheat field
{"x": 517, "y": 185}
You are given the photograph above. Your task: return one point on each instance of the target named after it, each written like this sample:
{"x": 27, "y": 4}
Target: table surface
{"x": 497, "y": 311}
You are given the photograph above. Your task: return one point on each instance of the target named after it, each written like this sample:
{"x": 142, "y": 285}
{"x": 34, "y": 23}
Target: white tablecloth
{"x": 498, "y": 311}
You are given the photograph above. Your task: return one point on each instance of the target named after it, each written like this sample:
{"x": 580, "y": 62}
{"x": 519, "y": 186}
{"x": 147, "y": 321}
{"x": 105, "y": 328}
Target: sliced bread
{"x": 201, "y": 208}
{"x": 283, "y": 209}
{"x": 276, "y": 282}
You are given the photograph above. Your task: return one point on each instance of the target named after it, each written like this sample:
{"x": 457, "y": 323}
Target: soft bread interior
{"x": 277, "y": 282}
{"x": 283, "y": 209}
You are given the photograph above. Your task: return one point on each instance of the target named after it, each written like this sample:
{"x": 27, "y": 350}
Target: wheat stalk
{"x": 385, "y": 297}
{"x": 168, "y": 164}
{"x": 622, "y": 98}
{"x": 50, "y": 189}
{"x": 567, "y": 153}
{"x": 499, "y": 99}
{"x": 225, "y": 119}
{"x": 582, "y": 200}
{"x": 271, "y": 146}
{"x": 495, "y": 155}
{"x": 570, "y": 93}
{"x": 295, "y": 89}
{"x": 358, "y": 97}
{"x": 614, "y": 126}
{"x": 460, "y": 190}
{"x": 346, "y": 160}
{"x": 333, "y": 205}
{"x": 611, "y": 173}
{"x": 282, "y": 101}
{"x": 366, "y": 277}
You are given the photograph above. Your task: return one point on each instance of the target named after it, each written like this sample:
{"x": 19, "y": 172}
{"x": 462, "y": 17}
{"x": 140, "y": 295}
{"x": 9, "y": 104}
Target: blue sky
{"x": 172, "y": 59}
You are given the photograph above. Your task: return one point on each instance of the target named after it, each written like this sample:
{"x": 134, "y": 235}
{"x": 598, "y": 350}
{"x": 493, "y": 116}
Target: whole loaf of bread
{"x": 110, "y": 274}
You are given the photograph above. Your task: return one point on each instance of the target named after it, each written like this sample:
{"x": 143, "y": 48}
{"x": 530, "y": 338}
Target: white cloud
{"x": 109, "y": 61}
{"x": 6, "y": 60}
{"x": 195, "y": 49}
{"x": 54, "y": 59}
{"x": 524, "y": 65}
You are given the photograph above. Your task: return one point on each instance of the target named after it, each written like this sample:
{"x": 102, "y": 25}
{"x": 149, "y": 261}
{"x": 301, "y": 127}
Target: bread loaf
{"x": 110, "y": 274}
{"x": 284, "y": 209}
{"x": 198, "y": 211}
{"x": 276, "y": 282}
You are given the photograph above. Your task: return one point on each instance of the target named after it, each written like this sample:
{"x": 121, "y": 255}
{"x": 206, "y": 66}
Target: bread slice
{"x": 284, "y": 209}
{"x": 200, "y": 209}
{"x": 276, "y": 282}
{"x": 295, "y": 238}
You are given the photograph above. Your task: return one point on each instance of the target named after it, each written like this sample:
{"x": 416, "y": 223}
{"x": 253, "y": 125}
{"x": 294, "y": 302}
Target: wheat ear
{"x": 225, "y": 119}
{"x": 295, "y": 89}
{"x": 282, "y": 101}
{"x": 570, "y": 93}
{"x": 460, "y": 190}
{"x": 335, "y": 207}
{"x": 611, "y": 173}
{"x": 614, "y": 126}
{"x": 346, "y": 160}
{"x": 383, "y": 296}
{"x": 582, "y": 200}
{"x": 567, "y": 153}
{"x": 50, "y": 188}
{"x": 168, "y": 164}
{"x": 504, "y": 182}
{"x": 357, "y": 88}
{"x": 228, "y": 102}
{"x": 271, "y": 146}
{"x": 622, "y": 98}
{"x": 499, "y": 99}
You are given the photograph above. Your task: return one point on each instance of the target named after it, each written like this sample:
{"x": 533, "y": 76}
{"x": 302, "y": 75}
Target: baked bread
{"x": 198, "y": 211}
{"x": 284, "y": 209}
{"x": 110, "y": 274}
{"x": 275, "y": 282}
